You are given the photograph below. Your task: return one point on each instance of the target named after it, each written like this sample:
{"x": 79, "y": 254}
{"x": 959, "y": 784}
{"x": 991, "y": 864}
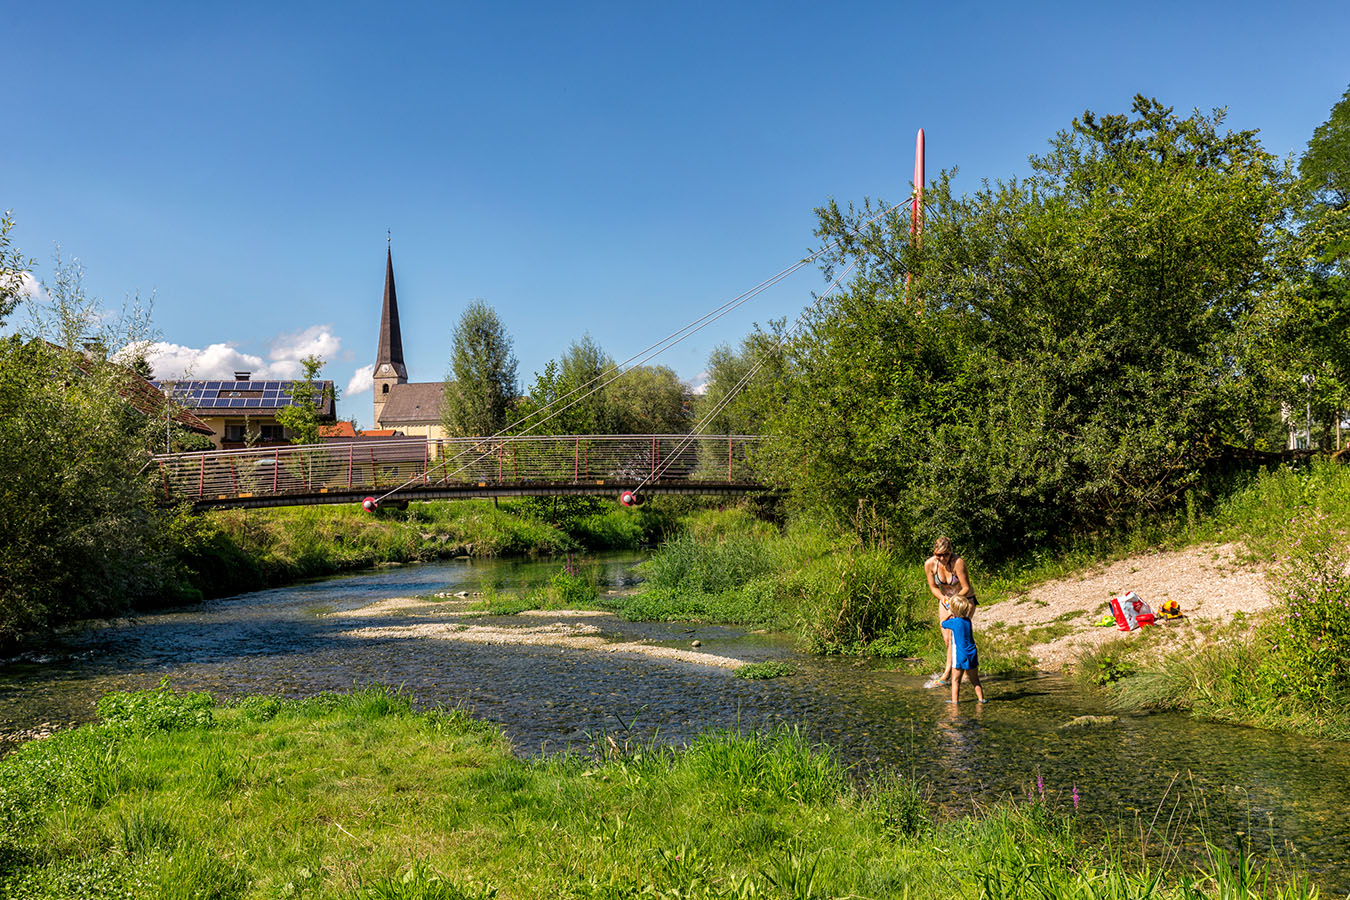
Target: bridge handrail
{"x": 392, "y": 442}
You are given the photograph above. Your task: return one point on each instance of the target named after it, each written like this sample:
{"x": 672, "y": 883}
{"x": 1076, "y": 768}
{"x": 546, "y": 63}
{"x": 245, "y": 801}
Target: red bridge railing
{"x": 418, "y": 464}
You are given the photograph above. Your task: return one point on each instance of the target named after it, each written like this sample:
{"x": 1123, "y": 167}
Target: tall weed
{"x": 855, "y": 597}
{"x": 726, "y": 561}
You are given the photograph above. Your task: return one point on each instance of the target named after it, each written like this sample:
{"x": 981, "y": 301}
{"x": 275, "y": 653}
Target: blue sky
{"x": 617, "y": 168}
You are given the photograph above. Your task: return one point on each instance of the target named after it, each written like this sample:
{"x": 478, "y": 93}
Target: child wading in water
{"x": 965, "y": 657}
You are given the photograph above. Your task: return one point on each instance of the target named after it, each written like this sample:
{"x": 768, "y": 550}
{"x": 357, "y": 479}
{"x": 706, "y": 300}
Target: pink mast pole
{"x": 916, "y": 207}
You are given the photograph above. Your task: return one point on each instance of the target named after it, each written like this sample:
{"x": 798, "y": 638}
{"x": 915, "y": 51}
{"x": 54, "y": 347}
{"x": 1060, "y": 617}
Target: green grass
{"x": 358, "y": 796}
{"x": 763, "y": 670}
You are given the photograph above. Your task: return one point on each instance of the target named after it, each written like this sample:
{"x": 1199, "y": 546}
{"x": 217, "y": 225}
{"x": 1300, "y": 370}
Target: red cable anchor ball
{"x": 370, "y": 504}
{"x": 630, "y": 498}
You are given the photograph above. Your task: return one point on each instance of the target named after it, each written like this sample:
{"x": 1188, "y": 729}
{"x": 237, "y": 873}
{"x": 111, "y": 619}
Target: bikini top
{"x": 937, "y": 577}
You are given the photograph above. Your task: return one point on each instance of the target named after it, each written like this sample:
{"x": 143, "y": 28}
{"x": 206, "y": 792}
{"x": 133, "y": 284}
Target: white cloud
{"x": 31, "y": 288}
{"x": 173, "y": 361}
{"x": 316, "y": 340}
{"x": 362, "y": 380}
{"x": 699, "y": 385}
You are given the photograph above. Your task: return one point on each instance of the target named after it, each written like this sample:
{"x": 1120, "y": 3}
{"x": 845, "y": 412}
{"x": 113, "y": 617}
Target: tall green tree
{"x": 1065, "y": 356}
{"x": 649, "y": 400}
{"x": 1324, "y": 169}
{"x": 738, "y": 393}
{"x": 1315, "y": 327}
{"x": 570, "y": 396}
{"x": 481, "y": 385}
{"x": 302, "y": 418}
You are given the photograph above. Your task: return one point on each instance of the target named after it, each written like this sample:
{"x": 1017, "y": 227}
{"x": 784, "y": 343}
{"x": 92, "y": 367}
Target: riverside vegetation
{"x": 1283, "y": 668}
{"x": 359, "y": 796}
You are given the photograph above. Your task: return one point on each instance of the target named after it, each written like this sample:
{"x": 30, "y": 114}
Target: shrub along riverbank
{"x": 357, "y": 796}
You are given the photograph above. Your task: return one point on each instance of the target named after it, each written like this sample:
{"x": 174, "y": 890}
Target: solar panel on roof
{"x": 253, "y": 402}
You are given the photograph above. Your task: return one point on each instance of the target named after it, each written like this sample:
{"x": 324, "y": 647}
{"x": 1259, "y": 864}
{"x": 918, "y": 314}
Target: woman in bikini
{"x": 947, "y": 578}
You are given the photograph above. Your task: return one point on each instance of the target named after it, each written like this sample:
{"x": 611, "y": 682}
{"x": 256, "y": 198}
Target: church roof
{"x": 391, "y": 337}
{"x": 413, "y": 403}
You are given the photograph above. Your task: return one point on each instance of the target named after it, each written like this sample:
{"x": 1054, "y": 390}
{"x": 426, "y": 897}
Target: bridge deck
{"x": 421, "y": 469}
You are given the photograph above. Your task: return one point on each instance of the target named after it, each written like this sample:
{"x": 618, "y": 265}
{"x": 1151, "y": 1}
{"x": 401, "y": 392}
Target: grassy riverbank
{"x": 228, "y": 552}
{"x": 356, "y": 796}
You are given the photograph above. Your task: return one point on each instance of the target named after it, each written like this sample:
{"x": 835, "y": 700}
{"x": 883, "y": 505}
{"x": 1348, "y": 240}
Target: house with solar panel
{"x": 242, "y": 411}
{"x": 401, "y": 406}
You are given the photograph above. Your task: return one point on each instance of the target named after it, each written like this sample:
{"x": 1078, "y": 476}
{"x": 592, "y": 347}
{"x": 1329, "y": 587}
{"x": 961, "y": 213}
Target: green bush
{"x": 1310, "y": 637}
{"x": 159, "y": 709}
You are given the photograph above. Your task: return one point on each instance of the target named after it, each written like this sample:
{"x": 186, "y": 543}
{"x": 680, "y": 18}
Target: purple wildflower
{"x": 1040, "y": 786}
{"x": 1075, "y": 796}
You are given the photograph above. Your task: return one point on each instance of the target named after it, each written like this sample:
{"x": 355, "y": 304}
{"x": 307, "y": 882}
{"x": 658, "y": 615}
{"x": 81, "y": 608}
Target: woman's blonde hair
{"x": 942, "y": 545}
{"x": 962, "y": 606}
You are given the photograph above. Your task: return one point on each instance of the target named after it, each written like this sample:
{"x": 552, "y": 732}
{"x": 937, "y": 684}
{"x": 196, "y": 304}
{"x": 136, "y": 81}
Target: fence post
{"x": 576, "y": 461}
{"x": 728, "y": 459}
{"x": 351, "y": 458}
{"x": 426, "y": 461}
{"x": 653, "y": 475}
{"x": 276, "y": 467}
{"x": 501, "y": 461}
{"x": 201, "y": 478}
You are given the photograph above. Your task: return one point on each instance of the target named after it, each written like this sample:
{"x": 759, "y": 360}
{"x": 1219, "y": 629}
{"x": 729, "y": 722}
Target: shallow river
{"x": 1147, "y": 772}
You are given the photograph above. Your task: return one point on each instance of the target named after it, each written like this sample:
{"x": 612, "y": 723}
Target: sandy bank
{"x": 1209, "y": 582}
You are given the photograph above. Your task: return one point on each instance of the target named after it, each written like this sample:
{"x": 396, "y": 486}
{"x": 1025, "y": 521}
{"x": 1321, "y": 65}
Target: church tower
{"x": 389, "y": 367}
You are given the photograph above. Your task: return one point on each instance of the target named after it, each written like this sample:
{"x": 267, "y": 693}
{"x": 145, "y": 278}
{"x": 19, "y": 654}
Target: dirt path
{"x": 1057, "y": 617}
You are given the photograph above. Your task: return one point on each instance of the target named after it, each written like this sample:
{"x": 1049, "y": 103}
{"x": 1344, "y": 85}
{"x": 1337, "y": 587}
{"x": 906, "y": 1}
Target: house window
{"x": 273, "y": 433}
{"x": 235, "y": 433}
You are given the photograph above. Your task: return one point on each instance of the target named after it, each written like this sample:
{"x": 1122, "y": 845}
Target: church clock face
{"x": 384, "y": 368}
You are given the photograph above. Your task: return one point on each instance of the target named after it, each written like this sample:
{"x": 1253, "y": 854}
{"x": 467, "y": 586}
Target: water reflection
{"x": 1245, "y": 785}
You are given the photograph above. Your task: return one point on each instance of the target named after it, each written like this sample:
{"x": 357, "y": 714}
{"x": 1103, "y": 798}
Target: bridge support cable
{"x": 745, "y": 379}
{"x": 648, "y": 353}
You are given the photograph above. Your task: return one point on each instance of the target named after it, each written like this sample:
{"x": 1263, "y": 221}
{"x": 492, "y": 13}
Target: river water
{"x": 1149, "y": 774}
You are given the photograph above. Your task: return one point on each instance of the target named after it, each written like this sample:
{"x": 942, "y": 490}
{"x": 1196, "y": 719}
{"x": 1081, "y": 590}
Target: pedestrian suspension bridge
{"x": 396, "y": 470}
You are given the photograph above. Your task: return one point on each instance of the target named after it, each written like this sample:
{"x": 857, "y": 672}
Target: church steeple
{"x": 391, "y": 339}
{"x": 389, "y": 367}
